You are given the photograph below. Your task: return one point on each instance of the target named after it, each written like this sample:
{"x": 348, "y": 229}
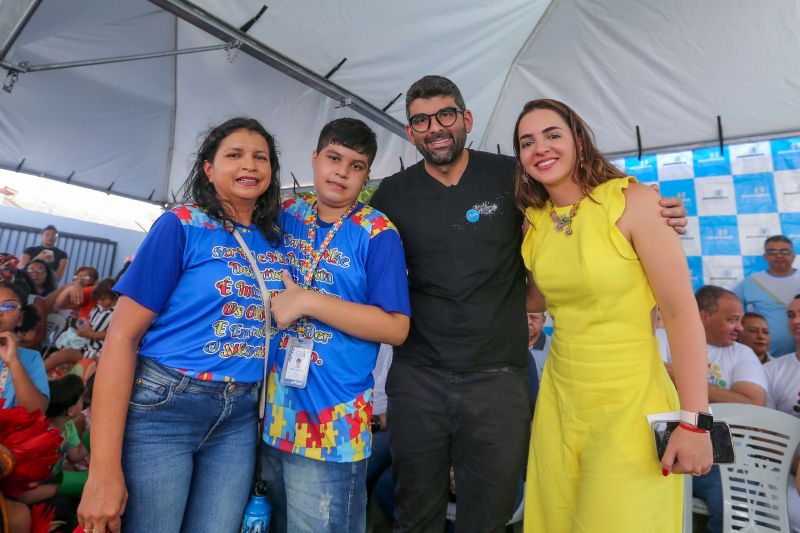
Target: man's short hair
{"x": 432, "y": 85}
{"x": 49, "y": 226}
{"x": 708, "y": 297}
{"x": 778, "y": 238}
{"x": 751, "y": 314}
{"x": 350, "y": 133}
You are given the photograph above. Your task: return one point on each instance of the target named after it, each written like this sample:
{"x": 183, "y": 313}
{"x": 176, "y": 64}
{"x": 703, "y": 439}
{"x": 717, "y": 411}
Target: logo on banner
{"x": 719, "y": 235}
{"x": 724, "y": 276}
{"x": 755, "y": 193}
{"x": 711, "y": 162}
{"x": 786, "y": 154}
{"x": 717, "y": 194}
{"x": 644, "y": 170}
{"x": 683, "y": 189}
{"x": 696, "y": 271}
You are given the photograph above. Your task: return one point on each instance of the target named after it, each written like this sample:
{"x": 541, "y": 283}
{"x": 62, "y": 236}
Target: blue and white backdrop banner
{"x": 735, "y": 200}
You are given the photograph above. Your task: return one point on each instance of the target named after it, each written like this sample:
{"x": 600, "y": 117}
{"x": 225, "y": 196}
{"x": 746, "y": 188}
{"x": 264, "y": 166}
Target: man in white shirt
{"x": 735, "y": 375}
{"x": 734, "y": 371}
{"x": 783, "y": 373}
{"x": 783, "y": 394}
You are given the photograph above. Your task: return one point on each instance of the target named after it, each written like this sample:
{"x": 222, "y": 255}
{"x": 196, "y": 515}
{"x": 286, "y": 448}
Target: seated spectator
{"x": 75, "y": 296}
{"x": 23, "y": 380}
{"x": 783, "y": 394}
{"x": 538, "y": 348}
{"x": 93, "y": 330}
{"x": 66, "y": 402}
{"x": 42, "y": 277}
{"x": 10, "y": 271}
{"x": 735, "y": 375}
{"x": 769, "y": 292}
{"x": 755, "y": 334}
{"x": 783, "y": 373}
{"x": 56, "y": 258}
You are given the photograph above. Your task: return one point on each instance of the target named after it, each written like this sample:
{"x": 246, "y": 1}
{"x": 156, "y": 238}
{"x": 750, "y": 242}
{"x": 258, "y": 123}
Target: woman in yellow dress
{"x": 600, "y": 257}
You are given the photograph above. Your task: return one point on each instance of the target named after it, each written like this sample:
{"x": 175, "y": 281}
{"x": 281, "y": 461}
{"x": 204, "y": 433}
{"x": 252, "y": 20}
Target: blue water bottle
{"x": 256, "y": 514}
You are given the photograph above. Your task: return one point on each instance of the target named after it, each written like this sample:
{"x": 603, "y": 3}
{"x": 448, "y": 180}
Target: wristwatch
{"x": 700, "y": 420}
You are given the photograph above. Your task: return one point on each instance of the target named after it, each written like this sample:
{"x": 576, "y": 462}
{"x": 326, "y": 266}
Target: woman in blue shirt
{"x": 187, "y": 338}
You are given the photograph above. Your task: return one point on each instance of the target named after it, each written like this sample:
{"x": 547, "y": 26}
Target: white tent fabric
{"x": 669, "y": 67}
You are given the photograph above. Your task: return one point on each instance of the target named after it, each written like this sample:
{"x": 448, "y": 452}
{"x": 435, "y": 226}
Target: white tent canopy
{"x": 670, "y": 68}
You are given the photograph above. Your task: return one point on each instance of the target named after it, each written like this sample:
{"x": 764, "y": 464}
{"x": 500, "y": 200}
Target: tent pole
{"x": 14, "y": 16}
{"x": 107, "y": 60}
{"x": 254, "y": 48}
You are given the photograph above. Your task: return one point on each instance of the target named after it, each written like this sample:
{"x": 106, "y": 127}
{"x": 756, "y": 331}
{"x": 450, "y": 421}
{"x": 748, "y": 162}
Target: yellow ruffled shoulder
{"x": 611, "y": 195}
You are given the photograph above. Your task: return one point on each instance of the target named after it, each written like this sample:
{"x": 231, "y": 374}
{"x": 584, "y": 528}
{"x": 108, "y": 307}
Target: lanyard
{"x": 309, "y": 264}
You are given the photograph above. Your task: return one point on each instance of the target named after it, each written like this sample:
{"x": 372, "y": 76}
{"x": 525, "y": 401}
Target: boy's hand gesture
{"x": 288, "y": 305}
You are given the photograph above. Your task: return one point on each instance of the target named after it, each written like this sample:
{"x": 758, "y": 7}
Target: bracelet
{"x": 691, "y": 428}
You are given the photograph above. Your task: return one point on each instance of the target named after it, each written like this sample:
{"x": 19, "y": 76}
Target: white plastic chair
{"x": 754, "y": 487}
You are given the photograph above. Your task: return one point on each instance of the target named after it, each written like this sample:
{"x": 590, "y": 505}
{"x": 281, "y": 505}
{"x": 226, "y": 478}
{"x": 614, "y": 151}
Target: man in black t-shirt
{"x": 458, "y": 387}
{"x": 56, "y": 258}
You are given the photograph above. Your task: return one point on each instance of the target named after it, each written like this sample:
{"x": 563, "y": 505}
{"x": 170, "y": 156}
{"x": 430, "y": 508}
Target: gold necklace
{"x": 564, "y": 222}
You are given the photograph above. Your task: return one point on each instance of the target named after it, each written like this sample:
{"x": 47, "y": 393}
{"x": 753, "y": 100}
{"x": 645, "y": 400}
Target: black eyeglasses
{"x": 446, "y": 116}
{"x": 773, "y": 251}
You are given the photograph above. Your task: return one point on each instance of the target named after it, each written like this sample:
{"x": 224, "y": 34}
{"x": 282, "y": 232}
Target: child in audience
{"x": 93, "y": 330}
{"x": 66, "y": 401}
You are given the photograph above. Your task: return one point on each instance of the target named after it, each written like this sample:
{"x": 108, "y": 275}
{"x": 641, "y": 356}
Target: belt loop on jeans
{"x": 185, "y": 380}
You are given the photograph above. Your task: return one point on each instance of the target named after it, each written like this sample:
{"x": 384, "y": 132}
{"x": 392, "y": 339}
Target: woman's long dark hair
{"x": 591, "y": 167}
{"x": 199, "y": 190}
{"x": 49, "y": 284}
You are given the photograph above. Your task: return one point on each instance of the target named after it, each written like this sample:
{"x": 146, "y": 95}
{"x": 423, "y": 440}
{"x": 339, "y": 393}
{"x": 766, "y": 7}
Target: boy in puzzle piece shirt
{"x": 346, "y": 292}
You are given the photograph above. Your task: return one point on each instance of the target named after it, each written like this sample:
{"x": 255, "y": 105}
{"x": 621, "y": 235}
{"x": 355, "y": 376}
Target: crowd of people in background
{"x": 52, "y": 335}
{"x": 446, "y": 417}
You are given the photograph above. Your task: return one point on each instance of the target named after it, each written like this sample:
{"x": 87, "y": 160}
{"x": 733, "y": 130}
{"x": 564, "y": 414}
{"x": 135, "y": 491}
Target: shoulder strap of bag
{"x": 267, "y": 320}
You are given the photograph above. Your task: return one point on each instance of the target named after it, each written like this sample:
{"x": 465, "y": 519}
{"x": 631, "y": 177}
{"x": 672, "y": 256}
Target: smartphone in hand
{"x": 721, "y": 441}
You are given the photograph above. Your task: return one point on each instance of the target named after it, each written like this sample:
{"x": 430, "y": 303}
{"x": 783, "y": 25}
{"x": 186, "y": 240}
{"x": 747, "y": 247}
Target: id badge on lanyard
{"x": 297, "y": 362}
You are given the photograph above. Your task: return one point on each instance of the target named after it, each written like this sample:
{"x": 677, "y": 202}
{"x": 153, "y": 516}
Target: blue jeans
{"x": 709, "y": 489}
{"x": 188, "y": 453}
{"x": 314, "y": 496}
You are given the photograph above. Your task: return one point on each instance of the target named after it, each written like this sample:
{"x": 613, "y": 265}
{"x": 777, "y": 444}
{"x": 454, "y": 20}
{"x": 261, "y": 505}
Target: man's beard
{"x": 445, "y": 155}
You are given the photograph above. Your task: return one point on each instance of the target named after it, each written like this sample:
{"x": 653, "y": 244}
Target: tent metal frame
{"x": 259, "y": 51}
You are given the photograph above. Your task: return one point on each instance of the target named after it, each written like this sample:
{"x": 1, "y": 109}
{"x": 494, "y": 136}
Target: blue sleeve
{"x": 33, "y": 364}
{"x": 387, "y": 279}
{"x": 738, "y": 290}
{"x": 157, "y": 265}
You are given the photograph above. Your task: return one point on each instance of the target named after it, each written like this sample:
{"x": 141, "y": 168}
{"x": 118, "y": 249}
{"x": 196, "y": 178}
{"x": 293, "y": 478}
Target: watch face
{"x": 705, "y": 421}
